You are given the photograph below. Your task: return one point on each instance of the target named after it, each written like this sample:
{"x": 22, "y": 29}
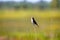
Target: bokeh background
{"x": 15, "y": 19}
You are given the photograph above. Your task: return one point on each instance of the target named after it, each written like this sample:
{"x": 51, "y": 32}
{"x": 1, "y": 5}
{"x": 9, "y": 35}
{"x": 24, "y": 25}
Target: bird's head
{"x": 32, "y": 17}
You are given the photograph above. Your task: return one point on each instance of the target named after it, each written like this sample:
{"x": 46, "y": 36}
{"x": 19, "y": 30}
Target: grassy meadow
{"x": 16, "y": 25}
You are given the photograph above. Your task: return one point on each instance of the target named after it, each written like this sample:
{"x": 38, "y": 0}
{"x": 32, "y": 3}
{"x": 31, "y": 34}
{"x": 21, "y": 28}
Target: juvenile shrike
{"x": 34, "y": 21}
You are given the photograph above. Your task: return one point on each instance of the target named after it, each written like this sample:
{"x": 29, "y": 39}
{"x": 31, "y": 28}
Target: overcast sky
{"x": 33, "y": 1}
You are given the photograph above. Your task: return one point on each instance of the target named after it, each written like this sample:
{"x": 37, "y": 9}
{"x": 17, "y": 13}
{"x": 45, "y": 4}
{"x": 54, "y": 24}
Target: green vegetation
{"x": 15, "y": 20}
{"x": 17, "y": 25}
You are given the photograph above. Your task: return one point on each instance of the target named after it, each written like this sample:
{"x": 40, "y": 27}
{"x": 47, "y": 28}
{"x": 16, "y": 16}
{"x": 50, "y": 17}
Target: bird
{"x": 34, "y": 21}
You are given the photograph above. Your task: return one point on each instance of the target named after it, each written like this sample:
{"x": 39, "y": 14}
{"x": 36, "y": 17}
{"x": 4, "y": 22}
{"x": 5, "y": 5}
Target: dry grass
{"x": 18, "y": 23}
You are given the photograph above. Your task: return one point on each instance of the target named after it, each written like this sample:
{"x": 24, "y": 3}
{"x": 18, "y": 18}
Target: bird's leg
{"x": 35, "y": 32}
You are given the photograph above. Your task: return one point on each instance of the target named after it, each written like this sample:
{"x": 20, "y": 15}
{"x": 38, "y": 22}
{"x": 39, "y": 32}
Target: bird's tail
{"x": 37, "y": 25}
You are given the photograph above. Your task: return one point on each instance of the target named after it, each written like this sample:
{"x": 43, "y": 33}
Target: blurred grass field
{"x": 16, "y": 23}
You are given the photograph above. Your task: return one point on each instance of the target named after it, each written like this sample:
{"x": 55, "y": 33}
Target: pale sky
{"x": 33, "y": 1}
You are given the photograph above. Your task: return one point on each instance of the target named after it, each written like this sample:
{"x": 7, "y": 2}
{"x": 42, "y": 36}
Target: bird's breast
{"x": 31, "y": 20}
